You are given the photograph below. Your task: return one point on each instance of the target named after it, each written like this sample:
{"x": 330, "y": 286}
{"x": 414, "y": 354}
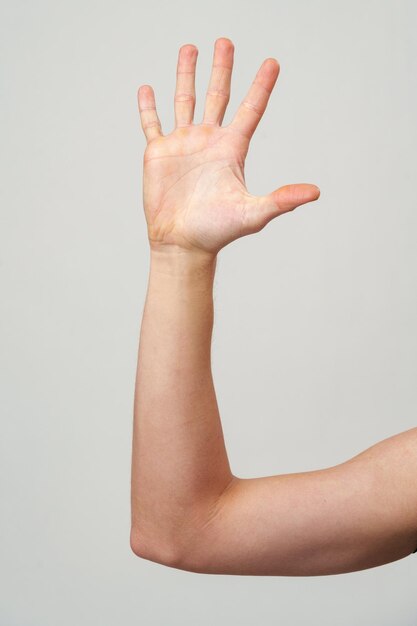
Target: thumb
{"x": 281, "y": 200}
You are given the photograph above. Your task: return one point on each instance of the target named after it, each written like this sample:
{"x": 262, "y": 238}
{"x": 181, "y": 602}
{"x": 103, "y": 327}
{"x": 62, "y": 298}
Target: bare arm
{"x": 188, "y": 509}
{"x": 180, "y": 464}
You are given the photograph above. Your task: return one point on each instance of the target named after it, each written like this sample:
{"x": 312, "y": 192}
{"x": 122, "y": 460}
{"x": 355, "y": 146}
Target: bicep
{"x": 356, "y": 515}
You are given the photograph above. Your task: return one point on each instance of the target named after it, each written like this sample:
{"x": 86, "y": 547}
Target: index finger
{"x": 254, "y": 104}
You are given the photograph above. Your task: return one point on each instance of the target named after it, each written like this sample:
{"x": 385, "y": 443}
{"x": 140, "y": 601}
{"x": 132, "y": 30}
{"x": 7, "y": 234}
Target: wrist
{"x": 177, "y": 261}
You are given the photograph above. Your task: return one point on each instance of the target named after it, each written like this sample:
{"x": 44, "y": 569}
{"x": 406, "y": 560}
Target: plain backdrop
{"x": 314, "y": 345}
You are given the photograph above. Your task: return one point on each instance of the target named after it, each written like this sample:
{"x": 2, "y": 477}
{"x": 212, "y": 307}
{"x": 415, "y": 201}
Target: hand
{"x": 195, "y": 197}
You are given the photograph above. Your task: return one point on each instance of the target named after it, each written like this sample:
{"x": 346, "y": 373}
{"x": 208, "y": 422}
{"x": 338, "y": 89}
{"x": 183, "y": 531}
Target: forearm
{"x": 179, "y": 461}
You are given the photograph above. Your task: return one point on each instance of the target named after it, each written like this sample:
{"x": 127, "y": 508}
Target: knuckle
{"x": 252, "y": 107}
{"x": 219, "y": 93}
{"x": 151, "y": 124}
{"x": 184, "y": 97}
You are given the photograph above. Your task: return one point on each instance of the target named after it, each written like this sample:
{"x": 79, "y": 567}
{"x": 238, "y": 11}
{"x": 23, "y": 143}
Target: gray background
{"x": 314, "y": 345}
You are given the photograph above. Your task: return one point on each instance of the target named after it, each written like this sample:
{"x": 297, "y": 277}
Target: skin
{"x": 188, "y": 509}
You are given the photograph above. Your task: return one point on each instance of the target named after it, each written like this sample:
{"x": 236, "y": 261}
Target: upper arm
{"x": 355, "y": 515}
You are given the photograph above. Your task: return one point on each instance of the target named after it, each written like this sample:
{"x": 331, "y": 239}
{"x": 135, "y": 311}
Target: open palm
{"x": 194, "y": 189}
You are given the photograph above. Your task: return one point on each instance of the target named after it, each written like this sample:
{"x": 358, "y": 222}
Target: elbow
{"x": 159, "y": 550}
{"x": 184, "y": 545}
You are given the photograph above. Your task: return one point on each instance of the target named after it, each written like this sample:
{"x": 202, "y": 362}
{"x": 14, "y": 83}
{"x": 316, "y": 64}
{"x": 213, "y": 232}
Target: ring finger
{"x": 184, "y": 100}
